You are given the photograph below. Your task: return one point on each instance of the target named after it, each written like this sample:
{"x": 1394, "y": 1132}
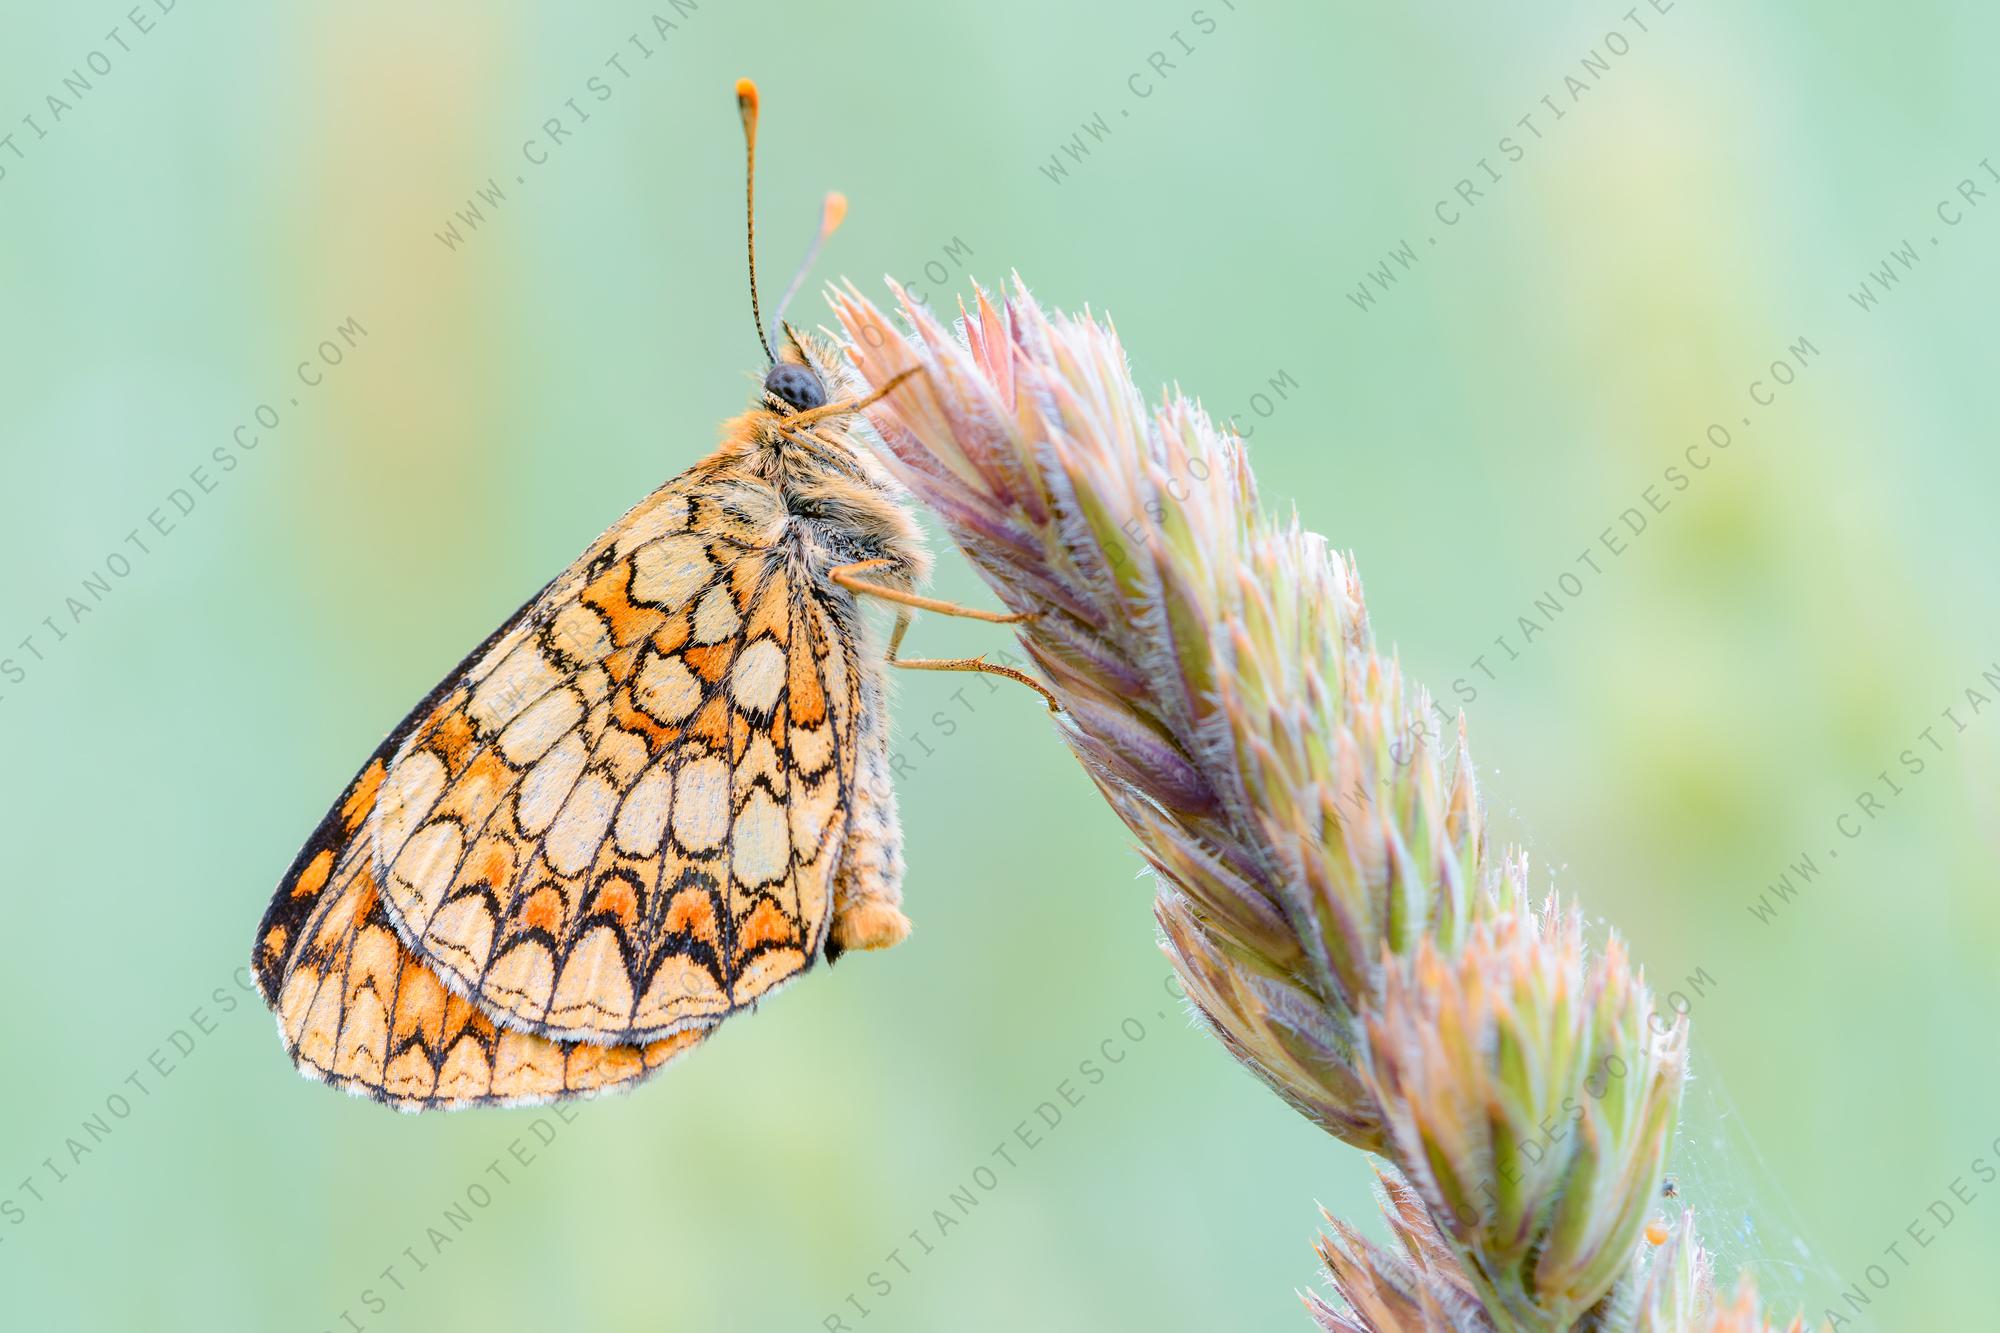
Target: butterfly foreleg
{"x": 847, "y": 576}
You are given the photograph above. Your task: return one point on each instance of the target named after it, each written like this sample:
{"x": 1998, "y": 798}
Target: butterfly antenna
{"x": 830, "y": 215}
{"x": 746, "y": 106}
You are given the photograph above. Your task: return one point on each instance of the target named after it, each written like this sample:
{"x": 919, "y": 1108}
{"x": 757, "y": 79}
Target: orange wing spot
{"x": 543, "y": 910}
{"x": 778, "y": 728}
{"x": 621, "y": 664}
{"x": 808, "y": 701}
{"x": 739, "y": 737}
{"x": 767, "y": 925}
{"x": 459, "y": 1013}
{"x": 594, "y": 1066}
{"x": 362, "y": 799}
{"x": 616, "y": 896}
{"x": 313, "y": 878}
{"x": 710, "y": 660}
{"x": 672, "y": 636}
{"x": 743, "y": 579}
{"x": 773, "y": 612}
{"x": 274, "y": 943}
{"x": 419, "y": 1007}
{"x": 609, "y": 596}
{"x": 488, "y": 769}
{"x": 711, "y": 724}
{"x": 493, "y": 864}
{"x": 451, "y": 736}
{"x": 692, "y": 913}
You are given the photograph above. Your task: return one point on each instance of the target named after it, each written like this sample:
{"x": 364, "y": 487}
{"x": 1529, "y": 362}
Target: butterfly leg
{"x": 844, "y": 575}
{"x": 978, "y": 664}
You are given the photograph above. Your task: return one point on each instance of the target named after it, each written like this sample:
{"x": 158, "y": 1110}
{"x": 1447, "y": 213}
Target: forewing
{"x": 621, "y": 822}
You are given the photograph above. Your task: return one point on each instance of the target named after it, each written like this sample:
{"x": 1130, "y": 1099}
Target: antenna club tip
{"x": 746, "y": 96}
{"x": 834, "y": 213}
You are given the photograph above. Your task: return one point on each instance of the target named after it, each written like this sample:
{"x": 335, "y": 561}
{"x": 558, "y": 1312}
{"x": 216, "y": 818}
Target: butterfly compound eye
{"x": 795, "y": 385}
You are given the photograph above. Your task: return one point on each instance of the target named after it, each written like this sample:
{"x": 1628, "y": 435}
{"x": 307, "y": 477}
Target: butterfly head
{"x": 809, "y": 372}
{"x": 795, "y": 384}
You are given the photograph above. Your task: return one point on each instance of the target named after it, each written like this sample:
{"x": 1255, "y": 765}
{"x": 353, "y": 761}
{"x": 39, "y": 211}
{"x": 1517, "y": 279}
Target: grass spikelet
{"x": 1325, "y": 888}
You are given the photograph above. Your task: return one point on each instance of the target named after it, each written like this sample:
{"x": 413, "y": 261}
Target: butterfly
{"x": 657, "y": 793}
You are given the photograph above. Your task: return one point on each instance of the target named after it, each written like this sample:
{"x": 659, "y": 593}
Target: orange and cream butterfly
{"x": 657, "y": 793}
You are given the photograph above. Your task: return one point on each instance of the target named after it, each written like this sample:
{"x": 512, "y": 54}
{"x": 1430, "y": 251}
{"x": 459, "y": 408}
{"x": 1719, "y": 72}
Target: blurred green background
{"x": 238, "y": 185}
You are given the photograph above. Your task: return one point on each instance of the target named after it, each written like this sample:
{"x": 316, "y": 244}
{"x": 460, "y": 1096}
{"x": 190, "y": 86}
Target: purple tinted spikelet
{"x": 1325, "y": 890}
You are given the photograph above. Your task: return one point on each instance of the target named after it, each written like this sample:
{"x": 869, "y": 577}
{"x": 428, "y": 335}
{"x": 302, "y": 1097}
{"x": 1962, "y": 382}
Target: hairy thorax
{"x": 836, "y": 503}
